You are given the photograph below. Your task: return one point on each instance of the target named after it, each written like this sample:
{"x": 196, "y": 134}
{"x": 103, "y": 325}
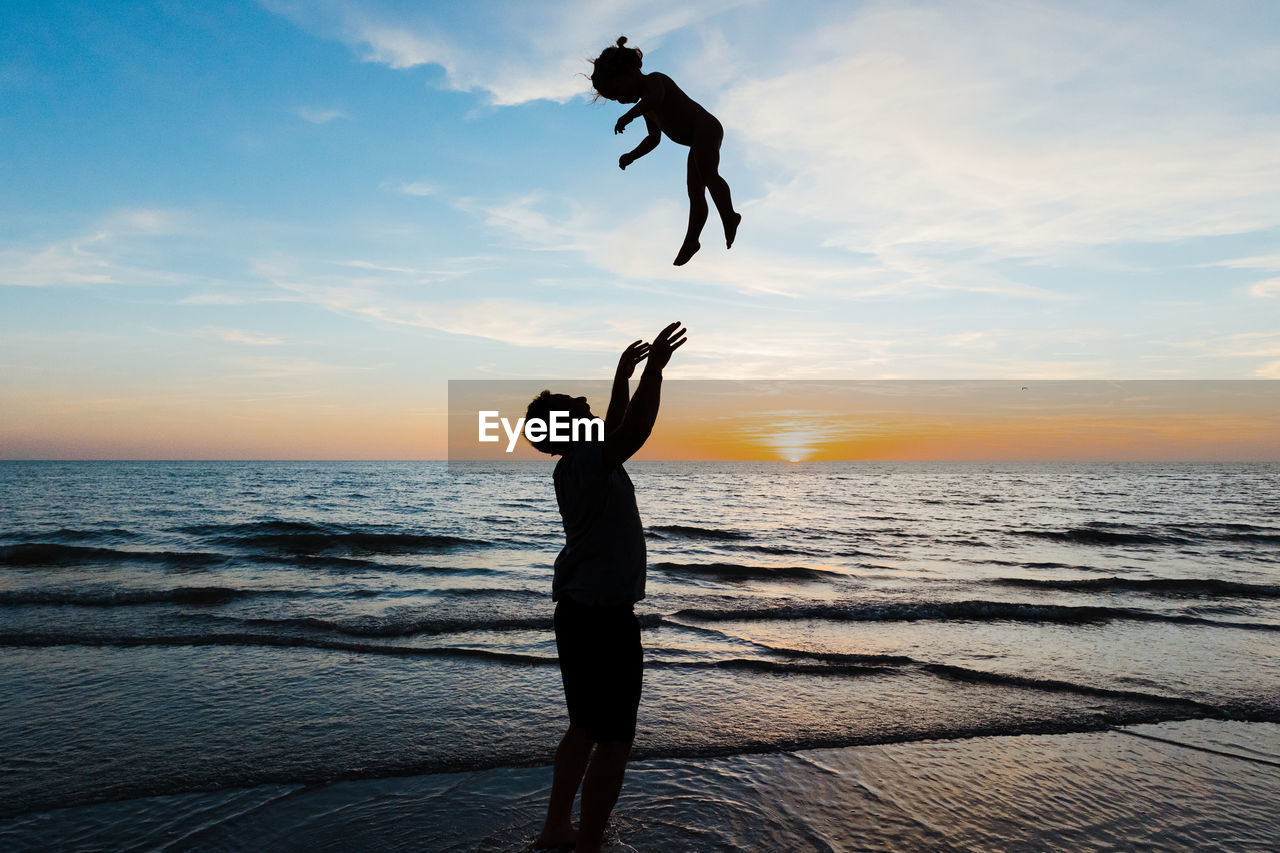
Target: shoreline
{"x": 1193, "y": 784}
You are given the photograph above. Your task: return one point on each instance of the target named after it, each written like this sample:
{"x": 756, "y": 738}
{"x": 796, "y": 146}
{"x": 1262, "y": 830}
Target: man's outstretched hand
{"x": 667, "y": 341}
{"x": 631, "y": 356}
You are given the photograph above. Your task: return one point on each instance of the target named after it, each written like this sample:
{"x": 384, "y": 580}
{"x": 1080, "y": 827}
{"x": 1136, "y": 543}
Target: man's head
{"x": 541, "y": 408}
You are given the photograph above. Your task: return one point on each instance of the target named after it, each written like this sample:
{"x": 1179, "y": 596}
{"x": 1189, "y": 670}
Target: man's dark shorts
{"x": 602, "y": 666}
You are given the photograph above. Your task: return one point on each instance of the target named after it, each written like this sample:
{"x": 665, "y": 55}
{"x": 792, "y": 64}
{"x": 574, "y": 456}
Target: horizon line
{"x": 645, "y": 461}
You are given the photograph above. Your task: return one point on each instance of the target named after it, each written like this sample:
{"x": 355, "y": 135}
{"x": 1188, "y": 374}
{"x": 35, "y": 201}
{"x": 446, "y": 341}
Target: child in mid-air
{"x": 666, "y": 109}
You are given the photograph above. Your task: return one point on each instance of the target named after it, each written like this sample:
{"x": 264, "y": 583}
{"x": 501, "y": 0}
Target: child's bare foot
{"x": 687, "y": 251}
{"x": 731, "y": 230}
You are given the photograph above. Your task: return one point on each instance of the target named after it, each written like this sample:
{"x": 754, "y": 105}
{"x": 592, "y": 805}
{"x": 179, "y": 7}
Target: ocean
{"x": 188, "y": 646}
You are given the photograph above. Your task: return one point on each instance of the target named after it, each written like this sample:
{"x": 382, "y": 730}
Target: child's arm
{"x": 650, "y": 99}
{"x": 646, "y": 145}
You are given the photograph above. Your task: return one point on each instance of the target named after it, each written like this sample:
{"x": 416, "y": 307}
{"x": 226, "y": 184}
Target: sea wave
{"x": 1110, "y": 533}
{"x": 302, "y": 537}
{"x": 794, "y": 662}
{"x": 685, "y": 531}
{"x": 1039, "y": 564}
{"x": 69, "y": 534}
{"x": 53, "y": 554}
{"x": 781, "y": 550}
{"x": 1172, "y": 586}
{"x": 483, "y": 591}
{"x": 114, "y": 597}
{"x": 984, "y": 611}
{"x": 1100, "y": 535}
{"x": 395, "y": 625}
{"x": 738, "y": 571}
{"x": 241, "y": 638}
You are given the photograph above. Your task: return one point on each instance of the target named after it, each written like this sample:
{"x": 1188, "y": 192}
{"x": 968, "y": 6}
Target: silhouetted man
{"x": 599, "y": 576}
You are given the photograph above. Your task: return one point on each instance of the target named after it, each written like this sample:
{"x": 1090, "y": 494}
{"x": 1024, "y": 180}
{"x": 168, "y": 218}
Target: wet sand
{"x": 1193, "y": 785}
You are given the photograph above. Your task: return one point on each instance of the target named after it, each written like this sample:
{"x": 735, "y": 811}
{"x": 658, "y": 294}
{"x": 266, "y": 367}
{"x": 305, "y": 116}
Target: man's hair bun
{"x": 622, "y": 41}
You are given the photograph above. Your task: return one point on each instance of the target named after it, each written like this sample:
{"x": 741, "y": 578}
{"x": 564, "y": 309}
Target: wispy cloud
{"x": 239, "y": 336}
{"x": 319, "y": 115}
{"x": 109, "y": 252}
{"x": 639, "y": 246}
{"x": 1238, "y": 352}
{"x": 1266, "y": 289}
{"x": 986, "y": 128}
{"x": 420, "y": 188}
{"x": 1256, "y": 262}
{"x": 542, "y": 46}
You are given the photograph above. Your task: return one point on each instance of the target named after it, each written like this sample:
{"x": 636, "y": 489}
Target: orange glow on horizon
{"x": 933, "y": 421}
{"x": 742, "y": 421}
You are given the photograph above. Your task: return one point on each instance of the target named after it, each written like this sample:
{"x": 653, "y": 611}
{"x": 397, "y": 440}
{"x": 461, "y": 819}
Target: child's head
{"x": 613, "y": 65}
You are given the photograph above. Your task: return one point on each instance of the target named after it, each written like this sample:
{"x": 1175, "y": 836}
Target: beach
{"x": 1199, "y": 785}
{"x": 838, "y": 656}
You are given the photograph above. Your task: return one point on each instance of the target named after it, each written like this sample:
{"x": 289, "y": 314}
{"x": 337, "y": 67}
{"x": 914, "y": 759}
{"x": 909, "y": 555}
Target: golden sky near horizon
{"x": 918, "y": 420}
{"x": 700, "y": 420}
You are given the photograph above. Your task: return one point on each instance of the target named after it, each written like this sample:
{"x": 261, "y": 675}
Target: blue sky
{"x": 278, "y": 228}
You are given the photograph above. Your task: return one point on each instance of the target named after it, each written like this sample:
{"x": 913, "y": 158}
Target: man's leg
{"x": 571, "y": 763}
{"x": 600, "y": 791}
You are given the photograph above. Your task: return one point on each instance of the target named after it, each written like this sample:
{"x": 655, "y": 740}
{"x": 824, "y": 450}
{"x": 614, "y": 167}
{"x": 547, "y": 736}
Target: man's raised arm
{"x": 622, "y": 443}
{"x": 620, "y": 396}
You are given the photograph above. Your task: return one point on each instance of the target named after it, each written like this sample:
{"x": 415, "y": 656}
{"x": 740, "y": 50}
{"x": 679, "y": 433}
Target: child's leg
{"x": 697, "y": 211}
{"x": 706, "y": 151}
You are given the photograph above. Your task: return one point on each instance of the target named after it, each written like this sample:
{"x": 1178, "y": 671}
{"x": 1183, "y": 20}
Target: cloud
{"x": 238, "y": 297}
{"x": 107, "y": 253}
{"x": 1246, "y": 347}
{"x": 237, "y": 336}
{"x": 1016, "y": 133}
{"x": 392, "y": 296}
{"x": 1266, "y": 289}
{"x": 270, "y": 368}
{"x": 640, "y": 247}
{"x": 420, "y": 188}
{"x": 1257, "y": 262}
{"x": 511, "y": 51}
{"x": 317, "y": 115}
{"x": 513, "y": 322}
{"x": 894, "y": 151}
{"x": 899, "y": 151}
{"x": 64, "y": 263}
{"x": 970, "y": 340}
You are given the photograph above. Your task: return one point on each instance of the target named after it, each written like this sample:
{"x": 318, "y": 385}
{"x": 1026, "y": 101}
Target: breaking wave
{"x": 1171, "y": 586}
{"x": 984, "y": 611}
{"x": 737, "y": 571}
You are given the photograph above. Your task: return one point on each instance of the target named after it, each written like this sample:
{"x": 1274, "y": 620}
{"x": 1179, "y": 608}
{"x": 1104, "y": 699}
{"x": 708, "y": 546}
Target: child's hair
{"x": 614, "y": 61}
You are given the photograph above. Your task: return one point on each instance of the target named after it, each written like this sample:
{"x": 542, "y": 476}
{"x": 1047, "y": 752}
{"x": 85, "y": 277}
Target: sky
{"x": 277, "y": 229}
{"x": 823, "y": 420}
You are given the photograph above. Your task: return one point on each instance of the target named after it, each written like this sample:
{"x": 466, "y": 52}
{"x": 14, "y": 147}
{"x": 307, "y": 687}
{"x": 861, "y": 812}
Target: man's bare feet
{"x": 731, "y": 230}
{"x": 561, "y": 838}
{"x": 687, "y": 251}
